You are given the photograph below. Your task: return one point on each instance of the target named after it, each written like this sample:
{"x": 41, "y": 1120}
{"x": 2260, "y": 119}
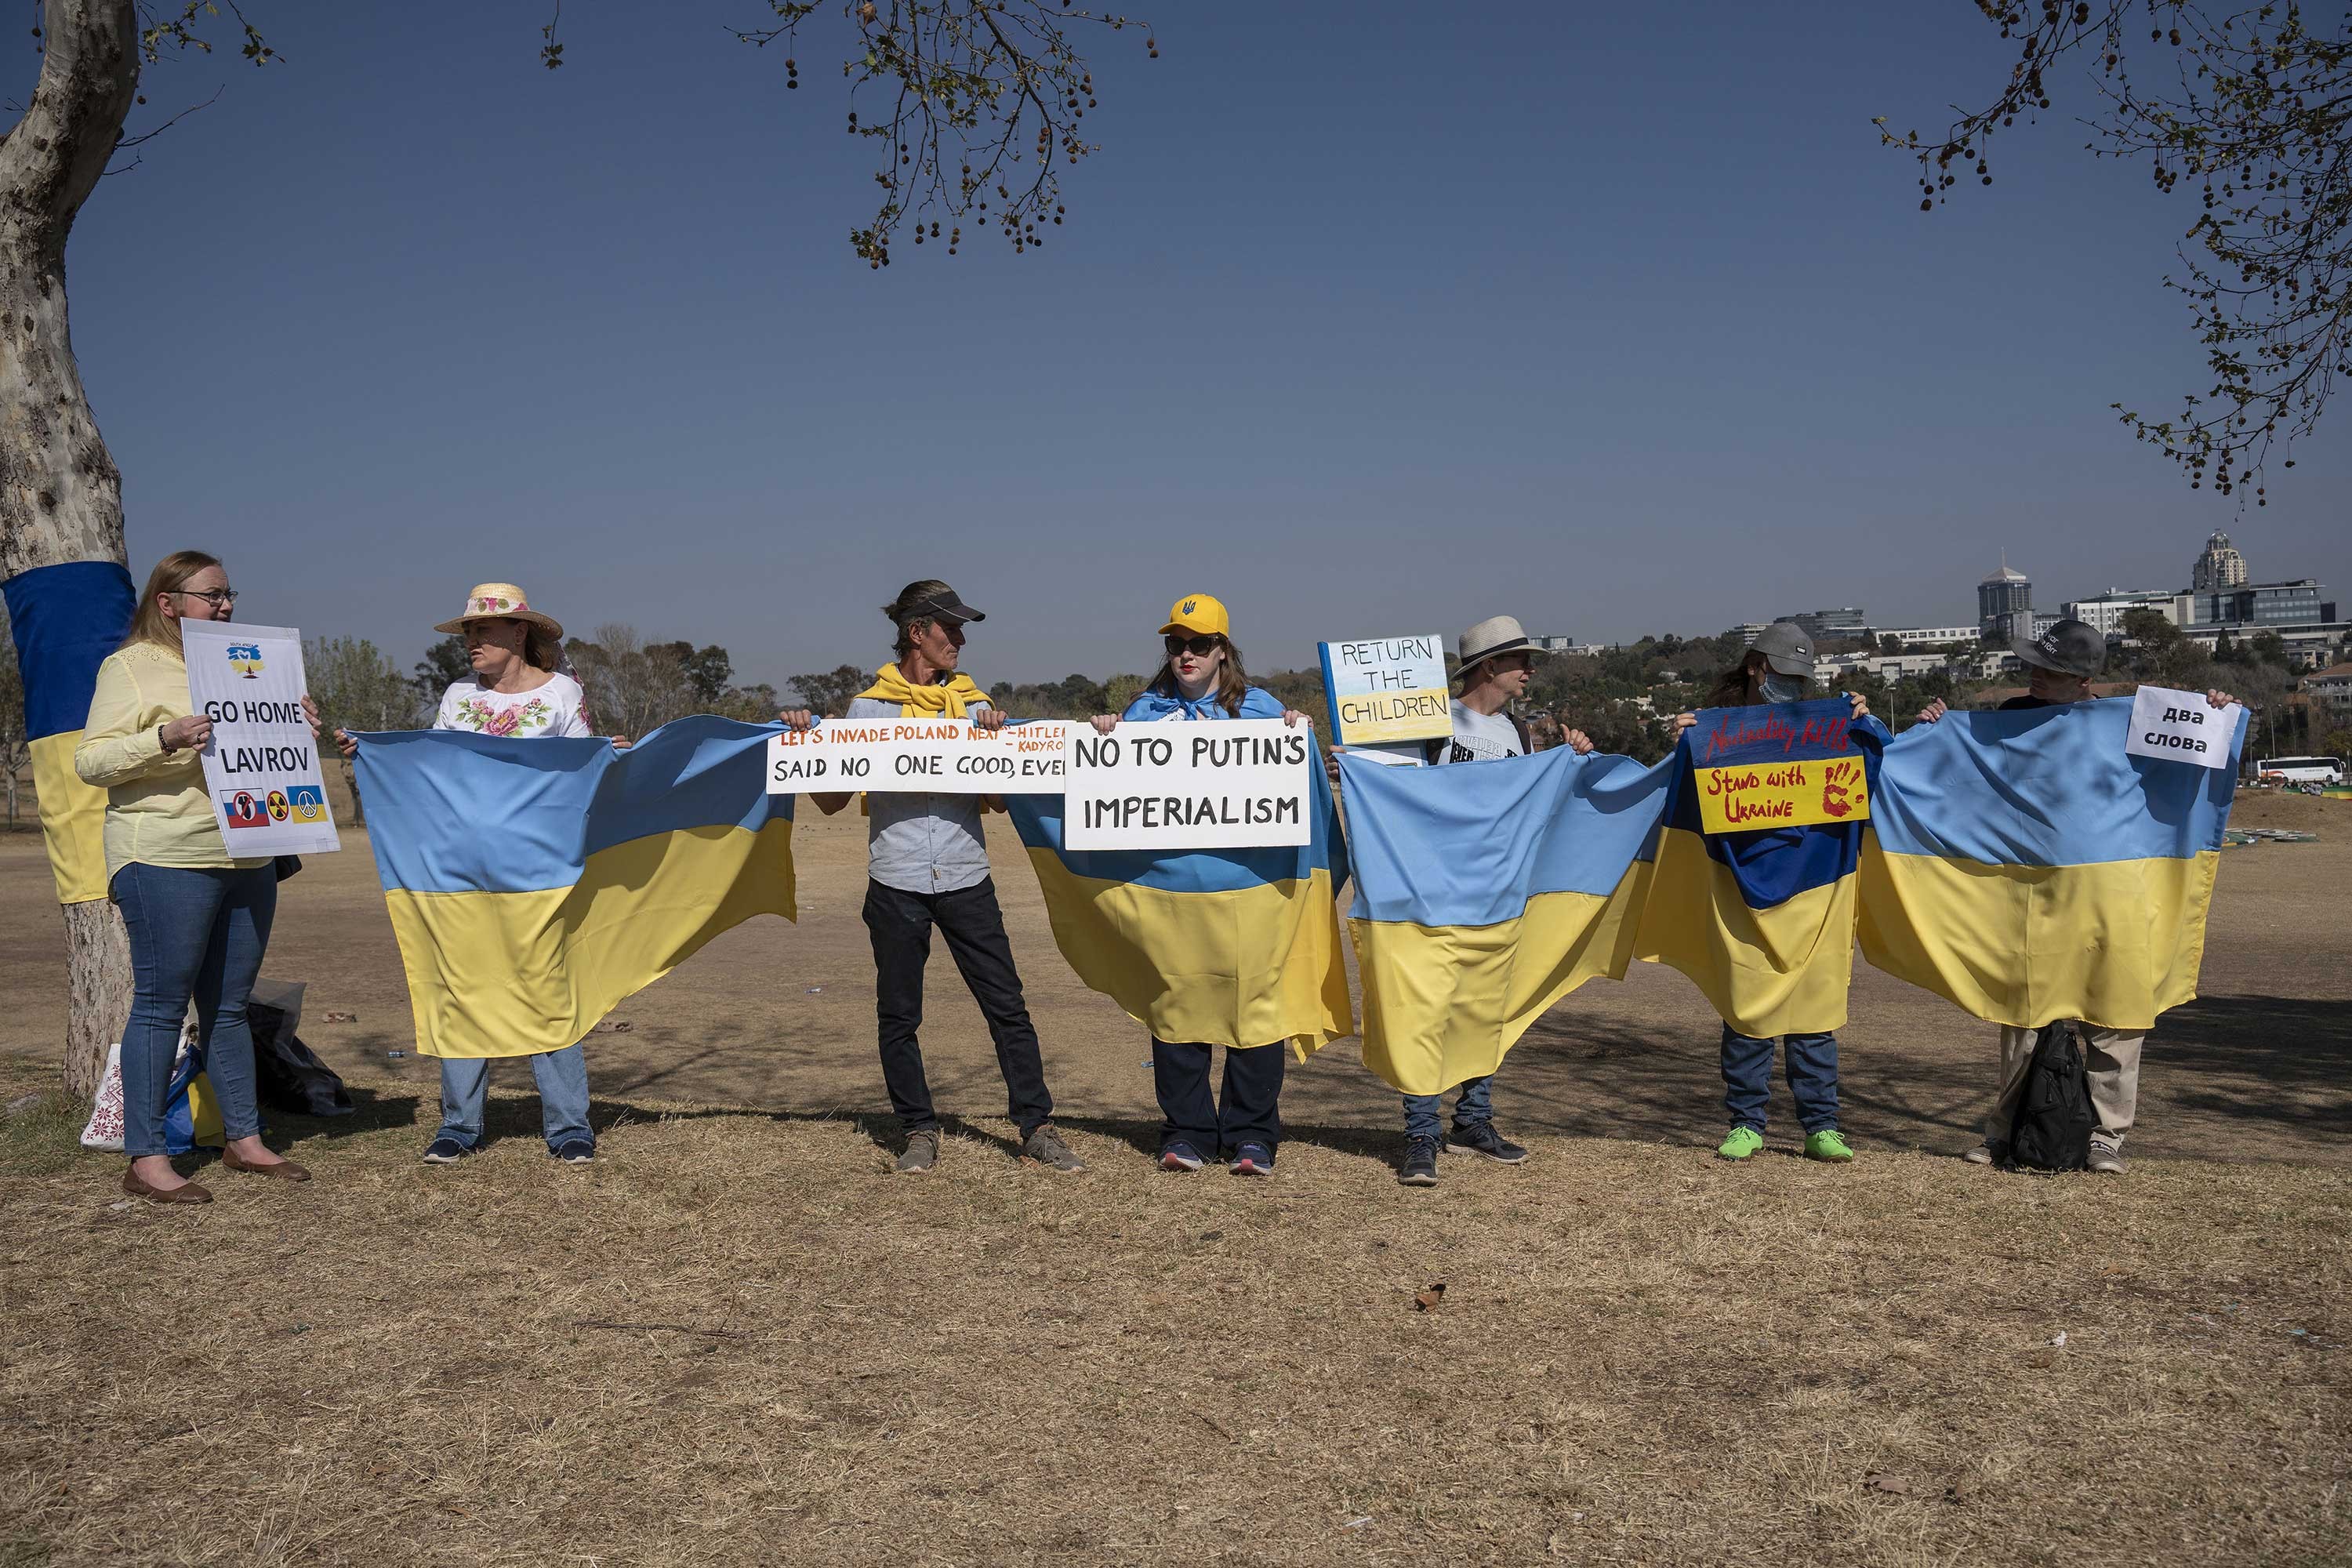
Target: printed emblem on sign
{"x": 279, "y": 810}
{"x": 245, "y": 810}
{"x": 244, "y": 657}
{"x": 309, "y": 804}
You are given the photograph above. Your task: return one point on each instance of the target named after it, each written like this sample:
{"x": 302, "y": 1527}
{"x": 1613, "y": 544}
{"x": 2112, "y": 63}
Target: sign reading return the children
{"x": 1386, "y": 689}
{"x": 261, "y": 767}
{"x": 1230, "y": 785}
{"x": 1783, "y": 766}
{"x": 926, "y": 756}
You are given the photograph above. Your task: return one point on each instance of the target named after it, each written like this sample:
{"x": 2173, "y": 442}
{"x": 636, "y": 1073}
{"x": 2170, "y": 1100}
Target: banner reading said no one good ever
{"x": 925, "y": 756}
{"x": 1235, "y": 784}
{"x": 262, "y": 767}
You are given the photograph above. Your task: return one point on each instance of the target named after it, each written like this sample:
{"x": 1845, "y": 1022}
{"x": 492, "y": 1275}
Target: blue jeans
{"x": 1424, "y": 1112}
{"x": 562, "y": 1096}
{"x": 1813, "y": 1078}
{"x": 194, "y": 932}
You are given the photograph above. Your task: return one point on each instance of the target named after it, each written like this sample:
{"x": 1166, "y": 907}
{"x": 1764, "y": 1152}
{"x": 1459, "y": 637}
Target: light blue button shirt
{"x": 921, "y": 843}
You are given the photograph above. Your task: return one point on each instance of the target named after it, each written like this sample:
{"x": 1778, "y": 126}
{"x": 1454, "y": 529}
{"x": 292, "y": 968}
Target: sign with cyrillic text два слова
{"x": 2181, "y": 726}
{"x": 1232, "y": 784}
{"x": 261, "y": 767}
{"x": 917, "y": 756}
{"x": 1786, "y": 764}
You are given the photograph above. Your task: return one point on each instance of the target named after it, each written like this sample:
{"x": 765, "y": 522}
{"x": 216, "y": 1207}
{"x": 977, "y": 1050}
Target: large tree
{"x": 971, "y": 106}
{"x": 2247, "y": 107}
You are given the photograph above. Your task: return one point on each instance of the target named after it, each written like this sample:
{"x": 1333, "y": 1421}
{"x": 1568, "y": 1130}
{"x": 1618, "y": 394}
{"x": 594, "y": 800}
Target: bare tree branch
{"x": 2254, "y": 104}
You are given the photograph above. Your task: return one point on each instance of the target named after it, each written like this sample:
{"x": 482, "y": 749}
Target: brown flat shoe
{"x": 277, "y": 1170}
{"x": 185, "y": 1192}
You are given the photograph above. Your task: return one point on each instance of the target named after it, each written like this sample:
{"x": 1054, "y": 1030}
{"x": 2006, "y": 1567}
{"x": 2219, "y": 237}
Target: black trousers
{"x": 1251, "y": 1112}
{"x": 900, "y": 925}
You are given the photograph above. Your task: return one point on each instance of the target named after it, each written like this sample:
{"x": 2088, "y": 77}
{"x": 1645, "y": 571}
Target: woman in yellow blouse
{"x": 198, "y": 920}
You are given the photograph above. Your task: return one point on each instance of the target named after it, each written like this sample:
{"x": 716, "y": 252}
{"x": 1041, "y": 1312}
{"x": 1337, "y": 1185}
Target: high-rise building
{"x": 2219, "y": 568}
{"x": 2003, "y": 595}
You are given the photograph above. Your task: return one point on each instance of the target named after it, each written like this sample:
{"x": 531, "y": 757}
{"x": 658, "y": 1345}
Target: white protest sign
{"x": 1229, "y": 785}
{"x": 1384, "y": 691}
{"x": 262, "y": 767}
{"x": 2181, "y": 726}
{"x": 926, "y": 756}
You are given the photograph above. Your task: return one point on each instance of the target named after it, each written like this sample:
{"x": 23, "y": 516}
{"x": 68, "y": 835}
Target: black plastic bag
{"x": 287, "y": 1076}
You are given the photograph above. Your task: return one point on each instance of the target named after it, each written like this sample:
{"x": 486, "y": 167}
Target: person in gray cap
{"x": 926, "y": 865}
{"x": 1497, "y": 662}
{"x": 2060, "y": 663}
{"x": 1779, "y": 667}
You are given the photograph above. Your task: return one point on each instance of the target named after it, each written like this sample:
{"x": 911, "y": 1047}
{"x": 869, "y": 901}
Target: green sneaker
{"x": 1828, "y": 1145}
{"x": 1743, "y": 1141}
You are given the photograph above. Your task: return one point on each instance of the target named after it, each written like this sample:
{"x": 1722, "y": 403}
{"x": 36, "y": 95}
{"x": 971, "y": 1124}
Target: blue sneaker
{"x": 579, "y": 1152}
{"x": 1253, "y": 1160}
{"x": 444, "y": 1151}
{"x": 1180, "y": 1157}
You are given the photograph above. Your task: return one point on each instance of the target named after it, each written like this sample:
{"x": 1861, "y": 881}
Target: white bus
{"x": 2300, "y": 770}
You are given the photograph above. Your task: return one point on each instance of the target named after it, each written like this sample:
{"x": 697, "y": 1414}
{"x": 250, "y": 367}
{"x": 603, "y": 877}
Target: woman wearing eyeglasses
{"x": 198, "y": 918}
{"x": 1202, "y": 678}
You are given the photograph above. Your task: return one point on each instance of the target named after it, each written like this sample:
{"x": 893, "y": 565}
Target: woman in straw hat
{"x": 518, "y": 688}
{"x": 1202, "y": 677}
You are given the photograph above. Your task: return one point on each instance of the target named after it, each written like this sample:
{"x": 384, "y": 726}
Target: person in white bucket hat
{"x": 1496, "y": 661}
{"x": 519, "y": 688}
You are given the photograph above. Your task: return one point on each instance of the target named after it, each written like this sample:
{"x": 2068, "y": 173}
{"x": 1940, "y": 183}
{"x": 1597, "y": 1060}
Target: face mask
{"x": 1779, "y": 687}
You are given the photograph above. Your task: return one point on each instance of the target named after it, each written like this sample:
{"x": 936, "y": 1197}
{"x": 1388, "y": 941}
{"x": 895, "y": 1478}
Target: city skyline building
{"x": 2001, "y": 597}
{"x": 2221, "y": 567}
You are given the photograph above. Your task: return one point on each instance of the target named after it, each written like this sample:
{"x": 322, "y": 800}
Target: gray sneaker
{"x": 1987, "y": 1154}
{"x": 923, "y": 1153}
{"x": 2106, "y": 1159}
{"x": 1045, "y": 1147}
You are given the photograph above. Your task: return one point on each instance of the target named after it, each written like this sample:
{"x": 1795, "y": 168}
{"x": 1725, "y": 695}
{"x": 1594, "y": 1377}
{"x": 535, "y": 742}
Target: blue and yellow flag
{"x": 1761, "y": 921}
{"x": 534, "y": 884}
{"x": 1222, "y": 947}
{"x": 2024, "y": 866}
{"x": 1486, "y": 892}
{"x": 66, "y": 619}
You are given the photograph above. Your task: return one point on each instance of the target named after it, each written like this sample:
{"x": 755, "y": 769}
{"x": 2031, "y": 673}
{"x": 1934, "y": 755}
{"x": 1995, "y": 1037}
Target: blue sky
{"x": 1617, "y": 319}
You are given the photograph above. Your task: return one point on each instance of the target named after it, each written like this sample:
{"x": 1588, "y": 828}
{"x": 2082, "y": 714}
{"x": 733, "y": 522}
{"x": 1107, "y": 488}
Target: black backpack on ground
{"x": 2052, "y": 1129}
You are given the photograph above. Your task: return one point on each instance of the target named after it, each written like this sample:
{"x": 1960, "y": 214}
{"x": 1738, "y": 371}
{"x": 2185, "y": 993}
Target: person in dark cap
{"x": 926, "y": 865}
{"x": 2060, "y": 662}
{"x": 1779, "y": 667}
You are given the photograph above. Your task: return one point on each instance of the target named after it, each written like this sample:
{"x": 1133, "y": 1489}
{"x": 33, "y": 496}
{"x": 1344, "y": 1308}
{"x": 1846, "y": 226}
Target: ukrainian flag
{"x": 1486, "y": 892}
{"x": 1222, "y": 947}
{"x": 2021, "y": 864}
{"x": 534, "y": 884}
{"x": 1763, "y": 920}
{"x": 66, "y": 619}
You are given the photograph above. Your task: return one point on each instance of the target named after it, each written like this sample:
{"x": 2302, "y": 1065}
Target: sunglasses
{"x": 1199, "y": 648}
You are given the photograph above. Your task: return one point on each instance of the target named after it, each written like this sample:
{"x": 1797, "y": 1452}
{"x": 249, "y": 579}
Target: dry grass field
{"x": 736, "y": 1339}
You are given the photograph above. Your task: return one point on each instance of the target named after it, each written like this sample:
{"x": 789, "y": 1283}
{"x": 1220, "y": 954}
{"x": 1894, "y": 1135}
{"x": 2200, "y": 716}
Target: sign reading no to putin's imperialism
{"x": 1784, "y": 765}
{"x": 1384, "y": 691}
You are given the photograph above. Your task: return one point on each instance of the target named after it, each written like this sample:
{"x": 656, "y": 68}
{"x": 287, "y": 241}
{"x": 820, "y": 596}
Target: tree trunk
{"x": 60, "y": 493}
{"x": 98, "y": 969}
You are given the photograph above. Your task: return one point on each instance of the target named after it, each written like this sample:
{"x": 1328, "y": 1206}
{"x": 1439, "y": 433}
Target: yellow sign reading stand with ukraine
{"x": 1786, "y": 766}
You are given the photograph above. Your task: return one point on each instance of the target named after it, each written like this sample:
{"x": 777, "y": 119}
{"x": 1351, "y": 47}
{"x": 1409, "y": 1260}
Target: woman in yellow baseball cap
{"x": 1202, "y": 677}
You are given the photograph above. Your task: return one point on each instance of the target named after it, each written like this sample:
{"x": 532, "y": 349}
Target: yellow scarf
{"x": 953, "y": 700}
